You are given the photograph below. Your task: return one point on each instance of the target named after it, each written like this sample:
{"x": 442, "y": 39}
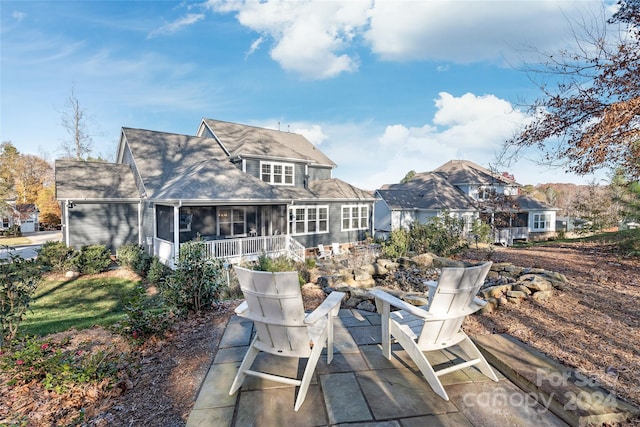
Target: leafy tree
{"x": 589, "y": 120}
{"x": 31, "y": 176}
{"x": 48, "y": 206}
{"x": 9, "y": 156}
{"x": 408, "y": 177}
{"x": 74, "y": 120}
{"x": 627, "y": 193}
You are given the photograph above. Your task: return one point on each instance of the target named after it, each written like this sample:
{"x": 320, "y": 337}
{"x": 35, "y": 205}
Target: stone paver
{"x": 360, "y": 388}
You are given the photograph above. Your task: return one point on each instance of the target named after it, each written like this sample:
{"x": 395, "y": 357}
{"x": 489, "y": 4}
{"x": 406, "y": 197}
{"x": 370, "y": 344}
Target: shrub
{"x": 482, "y": 230}
{"x": 92, "y": 259}
{"x": 134, "y": 257}
{"x": 445, "y": 235}
{"x": 197, "y": 281}
{"x": 56, "y": 256}
{"x": 157, "y": 271}
{"x": 282, "y": 263}
{"x": 19, "y": 279}
{"x": 397, "y": 245}
{"x": 140, "y": 322}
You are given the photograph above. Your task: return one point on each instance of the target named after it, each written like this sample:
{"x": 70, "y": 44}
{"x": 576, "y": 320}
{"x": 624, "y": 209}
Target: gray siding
{"x": 319, "y": 173}
{"x": 112, "y": 225}
{"x": 335, "y": 234}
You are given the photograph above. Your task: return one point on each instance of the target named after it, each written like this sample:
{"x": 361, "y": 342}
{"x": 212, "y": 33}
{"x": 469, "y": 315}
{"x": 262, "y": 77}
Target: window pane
{"x": 288, "y": 172}
{"x": 323, "y": 225}
{"x": 266, "y": 172}
{"x": 225, "y": 229}
{"x": 238, "y": 228}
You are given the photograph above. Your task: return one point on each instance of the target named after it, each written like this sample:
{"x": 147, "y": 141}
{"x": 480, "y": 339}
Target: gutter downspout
{"x": 66, "y": 222}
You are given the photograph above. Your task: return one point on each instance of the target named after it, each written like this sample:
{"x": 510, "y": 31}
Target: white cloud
{"x": 177, "y": 25}
{"x": 309, "y": 38}
{"x": 18, "y": 16}
{"x": 317, "y": 39}
{"x": 468, "y": 127}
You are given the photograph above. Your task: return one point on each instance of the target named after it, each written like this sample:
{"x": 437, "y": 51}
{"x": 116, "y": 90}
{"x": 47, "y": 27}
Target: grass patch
{"x": 81, "y": 303}
{"x": 14, "y": 241}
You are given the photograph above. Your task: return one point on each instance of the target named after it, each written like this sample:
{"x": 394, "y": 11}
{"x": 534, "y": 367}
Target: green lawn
{"x": 78, "y": 303}
{"x": 14, "y": 241}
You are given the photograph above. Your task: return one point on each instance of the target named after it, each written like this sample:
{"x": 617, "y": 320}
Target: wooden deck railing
{"x": 241, "y": 249}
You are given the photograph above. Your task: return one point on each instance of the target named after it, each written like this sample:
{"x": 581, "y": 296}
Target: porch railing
{"x": 241, "y": 249}
{"x": 506, "y": 236}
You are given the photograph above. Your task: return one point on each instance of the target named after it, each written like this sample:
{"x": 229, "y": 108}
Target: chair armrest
{"x": 330, "y": 303}
{"x": 386, "y": 298}
{"x": 241, "y": 308}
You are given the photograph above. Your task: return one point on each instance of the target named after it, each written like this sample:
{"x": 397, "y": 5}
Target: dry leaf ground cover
{"x": 592, "y": 325}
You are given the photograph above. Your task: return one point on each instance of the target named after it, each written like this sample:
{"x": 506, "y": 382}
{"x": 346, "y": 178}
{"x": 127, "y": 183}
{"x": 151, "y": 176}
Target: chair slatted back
{"x": 457, "y": 288}
{"x": 276, "y": 308}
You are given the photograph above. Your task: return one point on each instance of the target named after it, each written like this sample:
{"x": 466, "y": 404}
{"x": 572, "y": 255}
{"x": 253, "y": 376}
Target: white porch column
{"x": 176, "y": 232}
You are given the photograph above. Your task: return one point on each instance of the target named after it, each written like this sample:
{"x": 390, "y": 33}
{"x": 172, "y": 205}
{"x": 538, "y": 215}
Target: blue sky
{"x": 381, "y": 87}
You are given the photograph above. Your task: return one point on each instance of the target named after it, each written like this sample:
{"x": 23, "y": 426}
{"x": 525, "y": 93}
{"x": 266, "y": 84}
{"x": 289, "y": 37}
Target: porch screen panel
{"x": 164, "y": 222}
{"x": 239, "y": 222}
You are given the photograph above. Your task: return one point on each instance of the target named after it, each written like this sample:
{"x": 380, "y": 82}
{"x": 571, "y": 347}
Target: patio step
{"x": 565, "y": 392}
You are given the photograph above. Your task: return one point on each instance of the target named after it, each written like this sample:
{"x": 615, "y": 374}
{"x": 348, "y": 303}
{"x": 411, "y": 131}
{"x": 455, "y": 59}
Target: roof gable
{"x": 159, "y": 156}
{"x": 251, "y": 141}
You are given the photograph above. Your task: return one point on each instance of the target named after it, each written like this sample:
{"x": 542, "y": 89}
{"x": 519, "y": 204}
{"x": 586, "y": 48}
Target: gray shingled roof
{"x": 161, "y": 156}
{"x": 428, "y": 191}
{"x": 244, "y": 140}
{"x": 215, "y": 180}
{"x": 337, "y": 189}
{"x": 461, "y": 172}
{"x": 528, "y": 203}
{"x": 79, "y": 180}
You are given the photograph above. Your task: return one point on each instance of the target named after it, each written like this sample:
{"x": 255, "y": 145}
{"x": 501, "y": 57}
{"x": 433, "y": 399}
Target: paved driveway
{"x": 30, "y": 250}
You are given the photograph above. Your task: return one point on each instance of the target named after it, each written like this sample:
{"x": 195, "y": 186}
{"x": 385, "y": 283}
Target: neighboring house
{"x": 9, "y": 215}
{"x": 29, "y": 217}
{"x": 25, "y": 216}
{"x": 467, "y": 191}
{"x": 241, "y": 189}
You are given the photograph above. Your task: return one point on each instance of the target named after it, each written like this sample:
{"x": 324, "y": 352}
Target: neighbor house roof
{"x": 427, "y": 191}
{"x": 243, "y": 140}
{"x": 80, "y": 180}
{"x": 161, "y": 156}
{"x": 464, "y": 172}
{"x": 528, "y": 203}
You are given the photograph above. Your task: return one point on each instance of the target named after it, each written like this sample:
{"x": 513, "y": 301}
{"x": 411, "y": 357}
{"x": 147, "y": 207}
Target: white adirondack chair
{"x": 323, "y": 252}
{"x": 438, "y": 325}
{"x": 335, "y": 248}
{"x": 273, "y": 301}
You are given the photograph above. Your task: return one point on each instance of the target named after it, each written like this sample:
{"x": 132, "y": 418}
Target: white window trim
{"x": 360, "y": 216}
{"x": 293, "y": 219}
{"x": 284, "y": 166}
{"x": 536, "y": 219}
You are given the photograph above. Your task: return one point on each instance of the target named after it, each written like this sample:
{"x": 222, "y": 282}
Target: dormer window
{"x": 486, "y": 193}
{"x": 277, "y": 173}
